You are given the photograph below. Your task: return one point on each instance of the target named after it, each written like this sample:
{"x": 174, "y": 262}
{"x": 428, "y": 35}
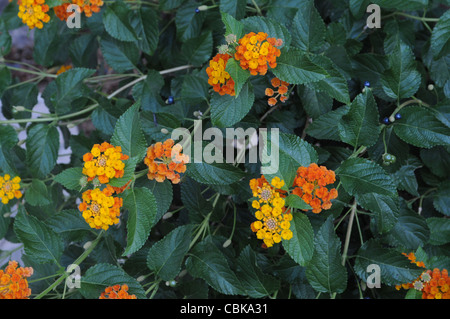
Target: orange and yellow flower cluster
{"x": 281, "y": 92}
{"x": 100, "y": 208}
{"x": 310, "y": 185}
{"x": 257, "y": 52}
{"x": 117, "y": 292}
{"x": 13, "y": 281}
{"x": 9, "y": 188}
{"x": 105, "y": 161}
{"x": 273, "y": 221}
{"x": 33, "y": 13}
{"x": 220, "y": 79}
{"x": 165, "y": 161}
{"x": 434, "y": 284}
{"x": 86, "y": 6}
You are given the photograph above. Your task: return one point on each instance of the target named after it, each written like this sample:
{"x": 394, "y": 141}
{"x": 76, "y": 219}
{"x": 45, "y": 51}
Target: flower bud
{"x": 18, "y": 108}
{"x": 164, "y": 131}
{"x": 203, "y": 8}
{"x": 87, "y": 245}
{"x": 430, "y": 87}
{"x": 226, "y": 243}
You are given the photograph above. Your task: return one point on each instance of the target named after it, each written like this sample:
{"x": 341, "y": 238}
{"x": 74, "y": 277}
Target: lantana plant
{"x": 257, "y": 149}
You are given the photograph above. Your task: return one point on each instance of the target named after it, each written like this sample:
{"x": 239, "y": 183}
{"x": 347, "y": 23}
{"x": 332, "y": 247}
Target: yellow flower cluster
{"x": 273, "y": 222}
{"x": 100, "y": 209}
{"x": 105, "y": 162}
{"x": 33, "y": 13}
{"x": 9, "y": 188}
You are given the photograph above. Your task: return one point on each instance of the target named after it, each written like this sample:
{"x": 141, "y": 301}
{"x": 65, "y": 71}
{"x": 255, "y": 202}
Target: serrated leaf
{"x": 142, "y": 209}
{"x": 116, "y": 21}
{"x": 440, "y": 37}
{"x": 198, "y": 50}
{"x": 295, "y": 67}
{"x": 314, "y": 102}
{"x": 128, "y": 134}
{"x": 296, "y": 201}
{"x": 256, "y": 283}
{"x": 227, "y": 110}
{"x": 163, "y": 193}
{"x": 188, "y": 22}
{"x": 324, "y": 272}
{"x": 121, "y": 56}
{"x": 360, "y": 126}
{"x": 308, "y": 28}
{"x": 232, "y": 26}
{"x": 441, "y": 199}
{"x": 384, "y": 207}
{"x": 145, "y": 24}
{"x": 401, "y": 80}
{"x": 214, "y": 174}
{"x": 37, "y": 194}
{"x": 206, "y": 261}
{"x": 420, "y": 127}
{"x": 439, "y": 230}
{"x": 70, "y": 178}
{"x": 395, "y": 268}
{"x": 166, "y": 255}
{"x": 238, "y": 74}
{"x": 68, "y": 221}
{"x": 40, "y": 242}
{"x": 301, "y": 246}
{"x": 100, "y": 276}
{"x": 42, "y": 149}
{"x": 273, "y": 28}
{"x": 360, "y": 176}
{"x": 235, "y": 8}
{"x": 326, "y": 125}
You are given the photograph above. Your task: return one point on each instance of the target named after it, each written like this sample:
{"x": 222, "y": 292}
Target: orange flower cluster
{"x": 438, "y": 287}
{"x": 256, "y": 52}
{"x": 105, "y": 161}
{"x": 63, "y": 69}
{"x": 415, "y": 284}
{"x": 86, "y": 6}
{"x": 117, "y": 292}
{"x": 220, "y": 79}
{"x": 13, "y": 282}
{"x": 100, "y": 209}
{"x": 311, "y": 182}
{"x": 164, "y": 160}
{"x": 281, "y": 92}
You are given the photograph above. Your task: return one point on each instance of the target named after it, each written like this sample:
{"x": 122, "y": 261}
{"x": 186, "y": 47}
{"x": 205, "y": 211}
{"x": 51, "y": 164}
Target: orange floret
{"x": 220, "y": 79}
{"x": 116, "y": 292}
{"x": 165, "y": 161}
{"x": 13, "y": 282}
{"x": 281, "y": 92}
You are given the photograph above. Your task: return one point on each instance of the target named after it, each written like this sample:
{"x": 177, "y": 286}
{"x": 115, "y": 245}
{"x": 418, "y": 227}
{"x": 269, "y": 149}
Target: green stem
{"x": 423, "y": 19}
{"x": 77, "y": 262}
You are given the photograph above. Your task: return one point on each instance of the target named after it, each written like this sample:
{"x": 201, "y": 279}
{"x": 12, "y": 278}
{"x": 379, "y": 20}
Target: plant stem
{"x": 349, "y": 231}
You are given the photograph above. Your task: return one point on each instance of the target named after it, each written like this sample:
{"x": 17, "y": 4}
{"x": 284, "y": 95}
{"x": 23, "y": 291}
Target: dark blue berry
{"x": 367, "y": 83}
{"x": 170, "y": 100}
{"x": 386, "y": 120}
{"x": 197, "y": 10}
{"x": 398, "y": 116}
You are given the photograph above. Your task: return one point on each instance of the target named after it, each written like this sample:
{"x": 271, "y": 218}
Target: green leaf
{"x": 360, "y": 176}
{"x": 188, "y": 22}
{"x": 296, "y": 201}
{"x": 301, "y": 246}
{"x": 206, "y": 261}
{"x": 295, "y": 67}
{"x": 214, "y": 174}
{"x": 128, "y": 173}
{"x": 37, "y": 194}
{"x": 198, "y": 50}
{"x": 402, "y": 5}
{"x": 395, "y": 268}
{"x": 238, "y": 74}
{"x": 401, "y": 80}
{"x": 406, "y": 179}
{"x": 163, "y": 193}
{"x": 232, "y": 26}
{"x": 273, "y": 28}
{"x": 142, "y": 209}
{"x": 314, "y": 102}
{"x": 440, "y": 37}
{"x": 325, "y": 272}
{"x": 121, "y": 56}
{"x": 420, "y": 127}
{"x": 439, "y": 230}
{"x": 40, "y": 242}
{"x": 228, "y": 110}
{"x": 70, "y": 178}
{"x": 166, "y": 255}
{"x": 326, "y": 126}
{"x": 287, "y": 154}
{"x": 128, "y": 134}
{"x": 441, "y": 199}
{"x": 308, "y": 28}
{"x": 68, "y": 221}
{"x": 116, "y": 21}
{"x": 145, "y": 24}
{"x": 42, "y": 149}
{"x": 235, "y": 8}
{"x": 256, "y": 283}
{"x": 360, "y": 126}
{"x": 5, "y": 39}
{"x": 384, "y": 207}
{"x": 100, "y": 276}
{"x": 148, "y": 91}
